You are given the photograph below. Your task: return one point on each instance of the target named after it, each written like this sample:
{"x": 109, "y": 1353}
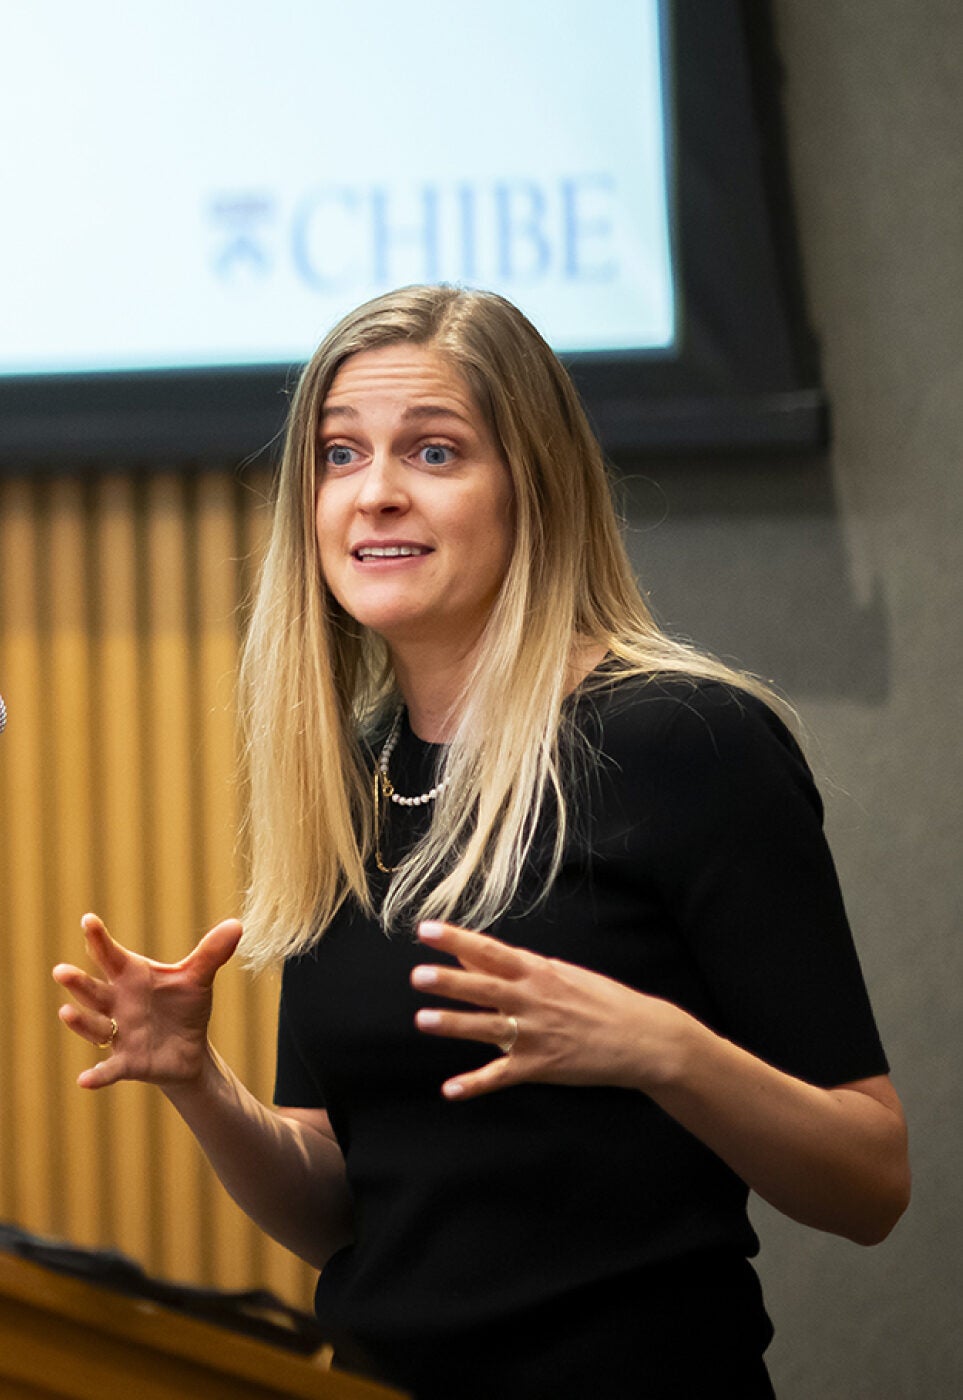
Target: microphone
{"x": 3, "y": 715}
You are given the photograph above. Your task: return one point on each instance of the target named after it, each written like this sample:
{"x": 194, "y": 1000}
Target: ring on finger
{"x": 106, "y": 1044}
{"x": 507, "y": 1045}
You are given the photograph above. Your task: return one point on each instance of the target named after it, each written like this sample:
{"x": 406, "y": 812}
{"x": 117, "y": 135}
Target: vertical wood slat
{"x": 170, "y": 857}
{"x": 68, "y": 873}
{"x": 118, "y": 640}
{"x": 30, "y": 1053}
{"x": 233, "y": 1251}
{"x": 120, "y": 799}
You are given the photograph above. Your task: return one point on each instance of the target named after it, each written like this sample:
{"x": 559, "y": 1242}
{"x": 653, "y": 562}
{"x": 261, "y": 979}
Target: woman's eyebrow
{"x": 430, "y": 410}
{"x": 414, "y": 413}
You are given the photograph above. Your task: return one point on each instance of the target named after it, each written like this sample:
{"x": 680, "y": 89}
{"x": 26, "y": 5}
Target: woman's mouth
{"x": 389, "y": 551}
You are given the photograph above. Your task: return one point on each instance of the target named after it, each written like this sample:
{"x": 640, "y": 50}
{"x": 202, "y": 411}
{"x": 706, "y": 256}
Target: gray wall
{"x": 841, "y": 579}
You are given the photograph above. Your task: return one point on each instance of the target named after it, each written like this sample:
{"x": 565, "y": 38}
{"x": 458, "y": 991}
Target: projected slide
{"x": 214, "y": 182}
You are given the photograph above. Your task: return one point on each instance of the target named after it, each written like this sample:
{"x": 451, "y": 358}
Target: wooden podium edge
{"x": 30, "y": 1288}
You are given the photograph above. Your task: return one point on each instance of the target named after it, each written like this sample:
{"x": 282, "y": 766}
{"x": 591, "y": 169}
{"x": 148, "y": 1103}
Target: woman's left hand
{"x": 561, "y": 1024}
{"x": 833, "y": 1158}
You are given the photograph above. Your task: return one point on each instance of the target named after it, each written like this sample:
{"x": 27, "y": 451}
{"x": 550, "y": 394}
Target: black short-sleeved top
{"x": 696, "y": 870}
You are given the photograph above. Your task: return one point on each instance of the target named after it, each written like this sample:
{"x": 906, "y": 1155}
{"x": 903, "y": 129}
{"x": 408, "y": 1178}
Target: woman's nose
{"x": 382, "y": 486}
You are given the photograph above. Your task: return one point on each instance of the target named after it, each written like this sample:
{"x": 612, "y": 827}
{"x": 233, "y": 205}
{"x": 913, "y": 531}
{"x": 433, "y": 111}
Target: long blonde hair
{"x": 313, "y": 682}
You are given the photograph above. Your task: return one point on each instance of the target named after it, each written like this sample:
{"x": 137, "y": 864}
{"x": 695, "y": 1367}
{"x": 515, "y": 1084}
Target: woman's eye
{"x": 435, "y": 454}
{"x": 338, "y": 455}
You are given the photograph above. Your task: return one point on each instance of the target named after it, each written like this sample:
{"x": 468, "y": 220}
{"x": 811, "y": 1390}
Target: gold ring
{"x": 508, "y": 1045}
{"x": 106, "y": 1044}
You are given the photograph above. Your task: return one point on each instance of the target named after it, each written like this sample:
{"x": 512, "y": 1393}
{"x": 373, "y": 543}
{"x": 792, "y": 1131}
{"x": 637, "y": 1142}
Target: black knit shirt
{"x": 696, "y": 871}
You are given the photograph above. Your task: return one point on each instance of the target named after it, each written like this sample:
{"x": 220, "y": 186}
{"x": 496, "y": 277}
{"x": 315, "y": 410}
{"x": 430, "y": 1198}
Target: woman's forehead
{"x": 400, "y": 376}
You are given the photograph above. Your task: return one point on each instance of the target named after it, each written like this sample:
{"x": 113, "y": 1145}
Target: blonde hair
{"x": 314, "y": 683}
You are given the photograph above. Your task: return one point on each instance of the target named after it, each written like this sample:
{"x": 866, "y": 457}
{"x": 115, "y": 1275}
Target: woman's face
{"x": 414, "y": 502}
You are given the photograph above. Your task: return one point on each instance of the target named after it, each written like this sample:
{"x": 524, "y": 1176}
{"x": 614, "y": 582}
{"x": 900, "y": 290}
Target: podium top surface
{"x": 67, "y": 1337}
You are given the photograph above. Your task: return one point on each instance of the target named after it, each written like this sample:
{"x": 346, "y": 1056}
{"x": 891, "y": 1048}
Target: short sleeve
{"x": 746, "y": 871}
{"x": 294, "y": 1084}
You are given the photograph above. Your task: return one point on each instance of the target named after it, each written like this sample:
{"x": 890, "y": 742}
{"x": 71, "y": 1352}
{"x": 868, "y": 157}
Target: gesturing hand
{"x": 563, "y": 1023}
{"x": 160, "y": 1010}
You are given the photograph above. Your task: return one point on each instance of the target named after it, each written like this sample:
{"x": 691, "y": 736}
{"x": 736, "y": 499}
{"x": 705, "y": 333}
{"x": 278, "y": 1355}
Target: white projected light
{"x": 212, "y": 182}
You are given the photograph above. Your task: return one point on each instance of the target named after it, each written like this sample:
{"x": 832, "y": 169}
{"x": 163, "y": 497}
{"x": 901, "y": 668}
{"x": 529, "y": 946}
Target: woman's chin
{"x": 453, "y": 637}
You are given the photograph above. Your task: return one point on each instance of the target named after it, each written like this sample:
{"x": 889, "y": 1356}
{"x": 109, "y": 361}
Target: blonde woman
{"x": 566, "y": 967}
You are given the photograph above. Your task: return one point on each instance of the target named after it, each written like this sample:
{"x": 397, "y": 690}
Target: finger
{"x": 457, "y": 985}
{"x": 98, "y": 1076}
{"x": 489, "y": 1027}
{"x": 215, "y": 949}
{"x": 476, "y": 949}
{"x": 89, "y": 991}
{"x": 94, "y": 1027}
{"x": 497, "y": 1074}
{"x": 109, "y": 956}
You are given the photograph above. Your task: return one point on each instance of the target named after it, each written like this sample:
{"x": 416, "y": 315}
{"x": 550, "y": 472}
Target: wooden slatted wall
{"x": 119, "y": 605}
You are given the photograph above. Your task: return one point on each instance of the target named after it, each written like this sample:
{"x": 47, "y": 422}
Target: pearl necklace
{"x": 384, "y": 787}
{"x": 387, "y": 787}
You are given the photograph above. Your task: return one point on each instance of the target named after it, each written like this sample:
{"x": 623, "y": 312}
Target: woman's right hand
{"x": 161, "y": 1010}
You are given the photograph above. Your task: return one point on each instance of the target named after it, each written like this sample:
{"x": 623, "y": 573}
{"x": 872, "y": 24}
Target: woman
{"x": 566, "y": 969}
